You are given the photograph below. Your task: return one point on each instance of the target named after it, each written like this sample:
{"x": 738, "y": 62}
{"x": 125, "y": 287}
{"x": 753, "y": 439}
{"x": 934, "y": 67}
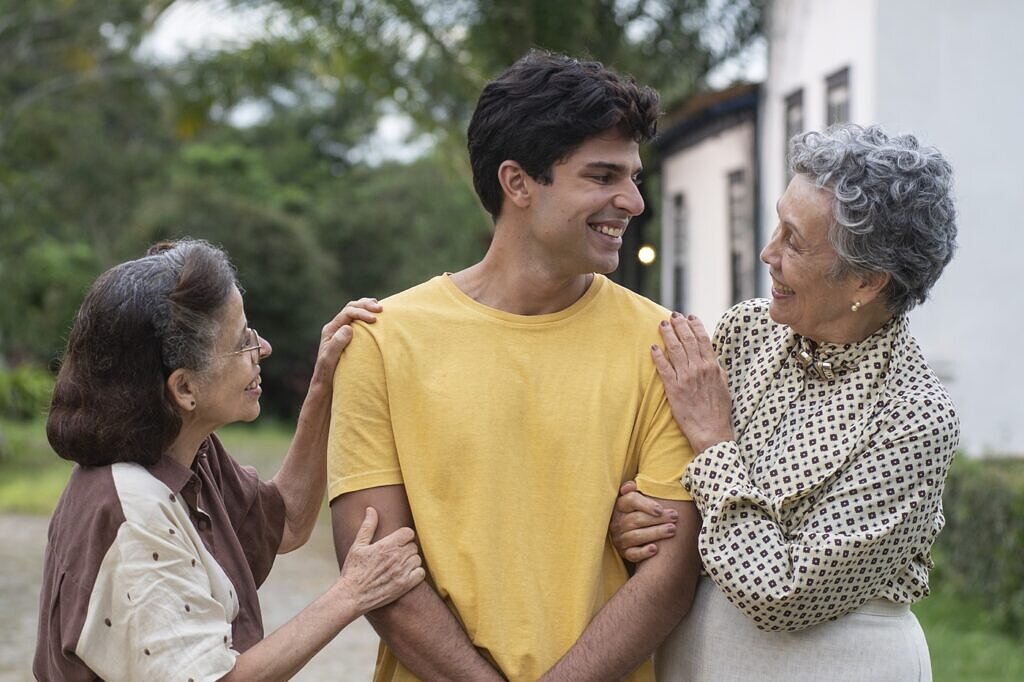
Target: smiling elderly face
{"x": 800, "y": 257}
{"x": 230, "y": 389}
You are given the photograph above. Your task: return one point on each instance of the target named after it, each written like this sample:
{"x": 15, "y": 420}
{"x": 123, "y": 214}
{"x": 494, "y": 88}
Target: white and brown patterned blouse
{"x": 831, "y": 494}
{"x": 151, "y": 573}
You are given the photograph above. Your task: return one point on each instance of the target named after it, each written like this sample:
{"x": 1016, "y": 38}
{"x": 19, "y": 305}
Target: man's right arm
{"x": 418, "y": 627}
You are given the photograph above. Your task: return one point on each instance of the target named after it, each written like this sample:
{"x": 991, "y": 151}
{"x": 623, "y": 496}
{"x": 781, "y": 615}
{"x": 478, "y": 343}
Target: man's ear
{"x": 871, "y": 286}
{"x": 514, "y": 183}
{"x": 181, "y": 386}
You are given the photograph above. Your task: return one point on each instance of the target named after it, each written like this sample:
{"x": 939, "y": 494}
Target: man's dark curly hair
{"x": 545, "y": 106}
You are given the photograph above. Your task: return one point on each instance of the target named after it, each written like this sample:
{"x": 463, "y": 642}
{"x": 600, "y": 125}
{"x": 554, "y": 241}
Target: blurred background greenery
{"x": 268, "y": 144}
{"x": 265, "y": 143}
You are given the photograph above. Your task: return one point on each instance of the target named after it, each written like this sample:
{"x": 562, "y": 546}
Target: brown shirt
{"x": 152, "y": 572}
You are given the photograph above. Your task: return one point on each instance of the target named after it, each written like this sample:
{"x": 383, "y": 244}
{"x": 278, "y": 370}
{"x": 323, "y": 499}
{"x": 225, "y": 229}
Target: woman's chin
{"x": 777, "y": 310}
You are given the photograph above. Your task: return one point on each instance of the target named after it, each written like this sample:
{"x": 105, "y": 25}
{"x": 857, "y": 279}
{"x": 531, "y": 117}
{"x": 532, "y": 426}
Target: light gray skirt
{"x": 881, "y": 641}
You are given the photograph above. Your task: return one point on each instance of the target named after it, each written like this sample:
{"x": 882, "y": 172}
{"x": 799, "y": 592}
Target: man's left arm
{"x": 642, "y": 612}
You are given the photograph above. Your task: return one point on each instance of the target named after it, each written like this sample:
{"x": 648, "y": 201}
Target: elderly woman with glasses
{"x": 822, "y": 437}
{"x": 161, "y": 538}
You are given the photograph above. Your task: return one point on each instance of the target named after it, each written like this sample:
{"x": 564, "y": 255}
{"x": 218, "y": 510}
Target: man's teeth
{"x": 609, "y": 230}
{"x": 253, "y": 385}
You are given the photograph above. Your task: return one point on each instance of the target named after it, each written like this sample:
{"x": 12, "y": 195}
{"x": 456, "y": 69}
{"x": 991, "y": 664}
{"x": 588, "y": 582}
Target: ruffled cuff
{"x": 715, "y": 474}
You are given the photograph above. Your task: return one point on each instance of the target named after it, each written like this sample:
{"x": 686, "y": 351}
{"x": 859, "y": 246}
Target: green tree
{"x": 432, "y": 57}
{"x": 396, "y": 225}
{"x": 81, "y": 135}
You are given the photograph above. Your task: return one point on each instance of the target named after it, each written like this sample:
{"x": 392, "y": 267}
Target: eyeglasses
{"x": 253, "y": 343}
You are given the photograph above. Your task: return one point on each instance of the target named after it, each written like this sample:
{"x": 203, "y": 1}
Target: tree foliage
{"x": 432, "y": 57}
{"x": 103, "y": 150}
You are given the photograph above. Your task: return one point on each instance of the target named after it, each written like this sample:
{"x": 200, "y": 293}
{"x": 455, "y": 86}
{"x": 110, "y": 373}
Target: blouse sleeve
{"x": 151, "y": 614}
{"x": 864, "y": 527}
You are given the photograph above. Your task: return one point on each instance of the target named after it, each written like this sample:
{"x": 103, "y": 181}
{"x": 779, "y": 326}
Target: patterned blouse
{"x": 831, "y": 494}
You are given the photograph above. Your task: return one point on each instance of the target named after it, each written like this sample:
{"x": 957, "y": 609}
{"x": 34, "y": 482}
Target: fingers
{"x": 674, "y": 350}
{"x": 366, "y": 530}
{"x": 378, "y": 573}
{"x": 416, "y": 576}
{"x": 640, "y": 543}
{"x": 402, "y": 536}
{"x": 645, "y": 536}
{"x": 627, "y": 487}
{"x": 363, "y": 310}
{"x": 686, "y": 343}
{"x": 701, "y": 335}
{"x": 637, "y": 554}
{"x": 412, "y": 562}
{"x": 638, "y": 502}
{"x": 661, "y": 363}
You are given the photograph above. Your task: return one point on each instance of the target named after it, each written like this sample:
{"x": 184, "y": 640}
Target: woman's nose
{"x": 769, "y": 250}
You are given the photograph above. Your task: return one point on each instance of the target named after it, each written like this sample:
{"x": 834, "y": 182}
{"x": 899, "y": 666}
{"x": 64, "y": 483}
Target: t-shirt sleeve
{"x": 361, "y": 451}
{"x": 664, "y": 451}
{"x": 256, "y": 510}
{"x": 151, "y": 615}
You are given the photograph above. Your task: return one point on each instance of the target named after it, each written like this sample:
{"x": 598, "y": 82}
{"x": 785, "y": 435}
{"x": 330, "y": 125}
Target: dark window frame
{"x": 837, "y": 82}
{"x": 742, "y": 236}
{"x": 680, "y": 250}
{"x": 794, "y": 101}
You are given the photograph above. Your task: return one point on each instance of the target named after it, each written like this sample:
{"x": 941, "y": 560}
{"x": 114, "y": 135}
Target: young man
{"x": 498, "y": 409}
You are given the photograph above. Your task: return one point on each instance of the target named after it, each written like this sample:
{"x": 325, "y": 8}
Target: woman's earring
{"x": 855, "y": 306}
{"x": 192, "y": 404}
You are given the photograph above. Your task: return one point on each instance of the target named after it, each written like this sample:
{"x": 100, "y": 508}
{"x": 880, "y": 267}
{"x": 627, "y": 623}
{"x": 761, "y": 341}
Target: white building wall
{"x": 808, "y": 40}
{"x": 952, "y": 74}
{"x": 948, "y": 71}
{"x": 700, "y": 173}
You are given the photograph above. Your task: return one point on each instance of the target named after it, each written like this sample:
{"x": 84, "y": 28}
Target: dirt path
{"x": 296, "y": 580}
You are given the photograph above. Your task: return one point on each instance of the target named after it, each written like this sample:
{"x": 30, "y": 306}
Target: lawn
{"x": 965, "y": 644}
{"x": 964, "y": 641}
{"x": 32, "y": 475}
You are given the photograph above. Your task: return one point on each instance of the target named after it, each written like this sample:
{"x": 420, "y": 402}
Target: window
{"x": 794, "y": 125}
{"x": 837, "y": 97}
{"x": 679, "y": 252}
{"x": 742, "y": 245}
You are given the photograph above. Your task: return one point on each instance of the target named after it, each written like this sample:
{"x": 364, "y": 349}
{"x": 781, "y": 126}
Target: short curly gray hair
{"x": 893, "y": 206}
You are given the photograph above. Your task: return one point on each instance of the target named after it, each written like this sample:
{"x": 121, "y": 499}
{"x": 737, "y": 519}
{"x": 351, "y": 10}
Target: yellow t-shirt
{"x": 511, "y": 435}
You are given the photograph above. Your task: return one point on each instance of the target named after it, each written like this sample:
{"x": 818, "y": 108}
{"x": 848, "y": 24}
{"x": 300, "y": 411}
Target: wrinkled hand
{"x": 375, "y": 574}
{"x": 337, "y": 334}
{"x": 638, "y": 522}
{"x": 695, "y": 384}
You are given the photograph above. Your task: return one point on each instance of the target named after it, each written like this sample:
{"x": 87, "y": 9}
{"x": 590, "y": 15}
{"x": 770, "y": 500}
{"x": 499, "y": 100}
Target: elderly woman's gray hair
{"x": 140, "y": 321}
{"x": 893, "y": 206}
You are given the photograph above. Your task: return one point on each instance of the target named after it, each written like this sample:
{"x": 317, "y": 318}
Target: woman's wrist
{"x": 703, "y": 442}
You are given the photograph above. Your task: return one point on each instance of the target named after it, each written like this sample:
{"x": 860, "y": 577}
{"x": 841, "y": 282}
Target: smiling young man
{"x": 498, "y": 409}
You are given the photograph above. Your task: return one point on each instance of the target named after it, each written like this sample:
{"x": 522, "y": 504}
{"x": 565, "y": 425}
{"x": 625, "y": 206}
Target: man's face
{"x": 577, "y": 220}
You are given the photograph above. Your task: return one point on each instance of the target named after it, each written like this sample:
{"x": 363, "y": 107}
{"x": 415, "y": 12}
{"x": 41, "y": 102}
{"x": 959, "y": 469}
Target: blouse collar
{"x": 825, "y": 361}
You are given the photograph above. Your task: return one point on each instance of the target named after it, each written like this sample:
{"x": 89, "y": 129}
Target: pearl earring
{"x": 855, "y": 306}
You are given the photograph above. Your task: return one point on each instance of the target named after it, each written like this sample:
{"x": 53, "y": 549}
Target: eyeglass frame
{"x": 258, "y": 347}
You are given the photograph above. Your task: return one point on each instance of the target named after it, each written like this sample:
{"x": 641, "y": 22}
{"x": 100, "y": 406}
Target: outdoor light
{"x": 646, "y": 254}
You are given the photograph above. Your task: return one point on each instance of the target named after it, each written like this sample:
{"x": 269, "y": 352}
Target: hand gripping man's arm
{"x": 418, "y": 627}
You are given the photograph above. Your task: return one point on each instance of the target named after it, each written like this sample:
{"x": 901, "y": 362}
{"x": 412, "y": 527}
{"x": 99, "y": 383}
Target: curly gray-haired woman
{"x": 823, "y": 437}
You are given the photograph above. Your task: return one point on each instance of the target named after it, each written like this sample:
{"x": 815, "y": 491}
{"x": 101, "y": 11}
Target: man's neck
{"x": 512, "y": 286}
